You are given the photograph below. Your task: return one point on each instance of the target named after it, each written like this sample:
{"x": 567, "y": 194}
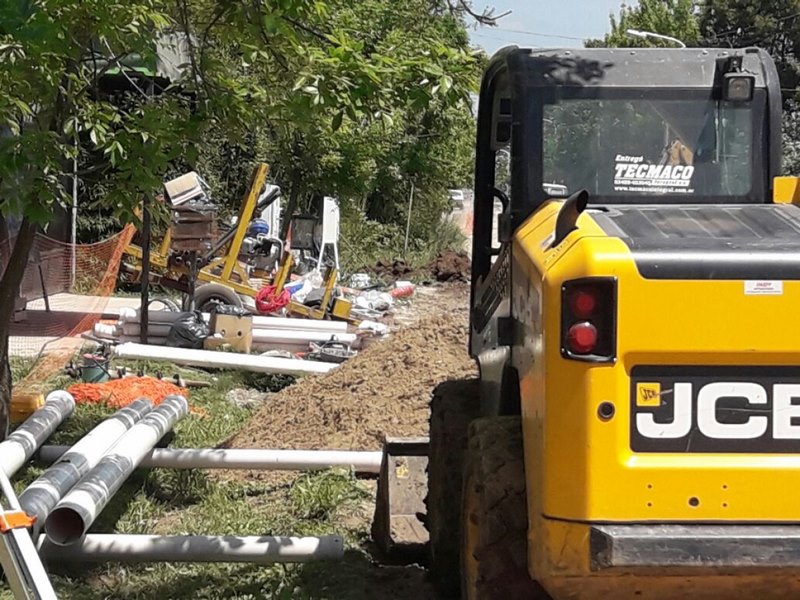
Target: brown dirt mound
{"x": 384, "y": 390}
{"x": 391, "y": 269}
{"x": 451, "y": 266}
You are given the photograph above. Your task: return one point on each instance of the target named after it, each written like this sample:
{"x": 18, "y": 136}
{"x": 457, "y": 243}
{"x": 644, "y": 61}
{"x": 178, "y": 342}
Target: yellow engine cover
{"x": 689, "y": 344}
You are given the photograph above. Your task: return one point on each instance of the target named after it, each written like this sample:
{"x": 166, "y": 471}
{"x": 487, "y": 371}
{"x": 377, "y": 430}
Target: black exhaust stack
{"x": 568, "y": 215}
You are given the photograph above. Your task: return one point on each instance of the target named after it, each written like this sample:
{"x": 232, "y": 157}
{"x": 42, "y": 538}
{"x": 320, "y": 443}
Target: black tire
{"x": 455, "y": 404}
{"x": 213, "y": 294}
{"x": 494, "y": 554}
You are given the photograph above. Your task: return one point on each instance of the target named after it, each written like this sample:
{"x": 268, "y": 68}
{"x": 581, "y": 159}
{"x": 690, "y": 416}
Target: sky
{"x": 575, "y": 20}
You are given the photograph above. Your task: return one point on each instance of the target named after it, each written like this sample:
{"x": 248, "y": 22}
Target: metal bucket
{"x": 94, "y": 368}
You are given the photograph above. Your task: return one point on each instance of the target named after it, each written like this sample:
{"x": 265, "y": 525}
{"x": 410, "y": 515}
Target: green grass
{"x": 20, "y": 366}
{"x": 322, "y": 496}
{"x": 166, "y": 501}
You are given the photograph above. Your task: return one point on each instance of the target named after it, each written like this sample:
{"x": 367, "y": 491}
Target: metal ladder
{"x": 19, "y": 559}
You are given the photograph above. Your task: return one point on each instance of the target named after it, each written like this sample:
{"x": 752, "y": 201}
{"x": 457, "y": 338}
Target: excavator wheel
{"x": 494, "y": 544}
{"x": 455, "y": 404}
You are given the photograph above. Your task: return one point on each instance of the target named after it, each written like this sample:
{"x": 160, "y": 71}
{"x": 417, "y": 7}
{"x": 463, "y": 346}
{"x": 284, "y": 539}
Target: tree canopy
{"x": 354, "y": 99}
{"x": 674, "y": 18}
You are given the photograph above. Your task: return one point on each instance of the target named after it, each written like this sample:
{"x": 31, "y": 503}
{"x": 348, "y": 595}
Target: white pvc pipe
{"x": 153, "y": 329}
{"x": 287, "y": 336}
{"x": 254, "y": 459}
{"x": 222, "y": 360}
{"x": 162, "y": 341}
{"x": 130, "y": 315}
{"x": 43, "y": 494}
{"x": 159, "y": 341}
{"x": 262, "y": 336}
{"x": 76, "y": 512}
{"x": 18, "y": 448}
{"x": 263, "y": 550}
{"x": 105, "y": 331}
{"x": 152, "y": 340}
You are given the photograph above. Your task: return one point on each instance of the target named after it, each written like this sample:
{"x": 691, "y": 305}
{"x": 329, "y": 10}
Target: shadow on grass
{"x": 357, "y": 577}
{"x": 354, "y": 577}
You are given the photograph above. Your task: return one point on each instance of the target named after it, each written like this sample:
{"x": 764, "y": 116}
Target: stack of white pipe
{"x": 75, "y": 512}
{"x": 269, "y": 333}
{"x": 43, "y": 494}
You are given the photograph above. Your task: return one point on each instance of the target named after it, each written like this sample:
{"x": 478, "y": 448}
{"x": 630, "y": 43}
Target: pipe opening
{"x": 64, "y": 526}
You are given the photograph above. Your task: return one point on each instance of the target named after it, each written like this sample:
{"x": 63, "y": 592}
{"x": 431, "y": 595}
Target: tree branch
{"x": 487, "y": 17}
{"x": 307, "y": 29}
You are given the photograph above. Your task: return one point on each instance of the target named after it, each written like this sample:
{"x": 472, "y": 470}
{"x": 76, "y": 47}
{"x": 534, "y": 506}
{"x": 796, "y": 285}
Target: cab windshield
{"x": 634, "y": 148}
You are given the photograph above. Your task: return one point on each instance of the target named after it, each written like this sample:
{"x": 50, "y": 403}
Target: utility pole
{"x": 408, "y": 221}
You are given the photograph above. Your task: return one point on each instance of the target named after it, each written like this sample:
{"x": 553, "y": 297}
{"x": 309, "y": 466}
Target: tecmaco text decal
{"x": 633, "y": 174}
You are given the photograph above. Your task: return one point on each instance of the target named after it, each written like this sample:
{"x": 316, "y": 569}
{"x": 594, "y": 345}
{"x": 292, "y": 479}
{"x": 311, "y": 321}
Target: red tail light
{"x": 582, "y": 338}
{"x": 583, "y": 302}
{"x": 589, "y": 319}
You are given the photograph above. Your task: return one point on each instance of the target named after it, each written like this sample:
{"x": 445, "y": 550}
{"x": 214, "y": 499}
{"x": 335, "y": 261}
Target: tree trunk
{"x": 9, "y": 288}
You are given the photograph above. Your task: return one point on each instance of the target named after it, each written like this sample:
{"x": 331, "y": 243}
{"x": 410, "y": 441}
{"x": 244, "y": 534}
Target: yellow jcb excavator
{"x": 635, "y": 430}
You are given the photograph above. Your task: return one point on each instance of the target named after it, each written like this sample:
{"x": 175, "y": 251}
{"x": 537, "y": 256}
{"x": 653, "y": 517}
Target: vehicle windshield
{"x": 627, "y": 150}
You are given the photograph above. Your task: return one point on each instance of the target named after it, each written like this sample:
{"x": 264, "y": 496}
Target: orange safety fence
{"x": 86, "y": 271}
{"x": 118, "y": 393}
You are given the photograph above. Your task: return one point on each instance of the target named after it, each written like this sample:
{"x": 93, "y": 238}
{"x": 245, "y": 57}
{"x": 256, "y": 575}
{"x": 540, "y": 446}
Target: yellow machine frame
{"x": 228, "y": 271}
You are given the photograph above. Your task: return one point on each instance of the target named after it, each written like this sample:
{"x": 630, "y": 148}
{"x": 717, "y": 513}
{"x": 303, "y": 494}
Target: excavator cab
{"x": 635, "y": 429}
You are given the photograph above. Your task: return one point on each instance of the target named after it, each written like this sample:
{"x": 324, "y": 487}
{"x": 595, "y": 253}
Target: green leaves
{"x": 337, "y": 122}
{"x": 329, "y": 92}
{"x": 674, "y": 18}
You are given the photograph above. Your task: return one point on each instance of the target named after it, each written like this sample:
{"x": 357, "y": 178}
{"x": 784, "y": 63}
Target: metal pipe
{"x": 130, "y": 315}
{"x": 42, "y": 495}
{"x": 222, "y": 360}
{"x": 195, "y": 548}
{"x": 18, "y": 448}
{"x": 255, "y": 459}
{"x": 75, "y": 513}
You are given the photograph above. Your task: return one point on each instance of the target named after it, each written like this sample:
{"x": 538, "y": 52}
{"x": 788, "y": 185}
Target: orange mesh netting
{"x": 118, "y": 393}
{"x": 89, "y": 271}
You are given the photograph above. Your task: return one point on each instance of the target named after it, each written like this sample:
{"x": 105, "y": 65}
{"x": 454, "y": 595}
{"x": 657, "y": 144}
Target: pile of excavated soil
{"x": 391, "y": 269}
{"x": 448, "y": 266}
{"x": 385, "y": 390}
{"x": 451, "y": 266}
